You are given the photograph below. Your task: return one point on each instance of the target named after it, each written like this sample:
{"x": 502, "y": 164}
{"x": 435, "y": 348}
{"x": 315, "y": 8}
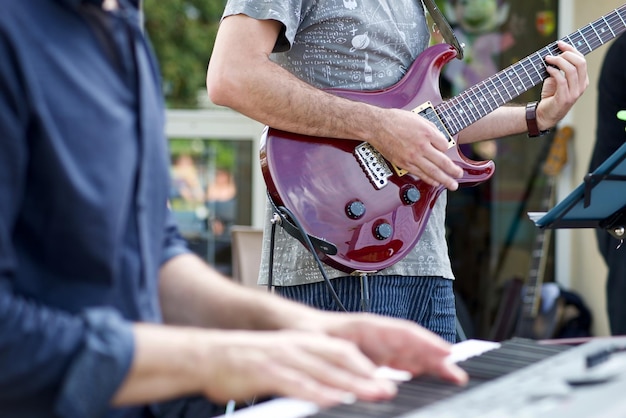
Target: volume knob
{"x": 411, "y": 195}
{"x": 383, "y": 231}
{"x": 355, "y": 209}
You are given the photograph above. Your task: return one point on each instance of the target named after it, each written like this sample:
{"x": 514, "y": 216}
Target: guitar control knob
{"x": 411, "y": 195}
{"x": 355, "y": 209}
{"x": 383, "y": 231}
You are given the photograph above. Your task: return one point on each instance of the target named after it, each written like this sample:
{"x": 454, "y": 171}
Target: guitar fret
{"x": 493, "y": 82}
{"x": 576, "y": 42}
{"x": 473, "y": 114}
{"x": 460, "y": 115}
{"x": 480, "y": 100}
{"x": 517, "y": 91}
{"x": 454, "y": 119}
{"x": 495, "y": 89}
{"x": 594, "y": 39}
{"x": 603, "y": 29}
{"x": 620, "y": 16}
{"x": 467, "y": 115}
{"x": 450, "y": 122}
{"x": 528, "y": 77}
{"x": 507, "y": 87}
{"x": 587, "y": 43}
{"x": 459, "y": 112}
{"x": 537, "y": 70}
{"x": 597, "y": 35}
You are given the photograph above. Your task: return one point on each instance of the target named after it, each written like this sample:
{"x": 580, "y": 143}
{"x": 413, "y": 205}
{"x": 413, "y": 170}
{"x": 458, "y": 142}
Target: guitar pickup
{"x": 374, "y": 164}
{"x": 427, "y": 111}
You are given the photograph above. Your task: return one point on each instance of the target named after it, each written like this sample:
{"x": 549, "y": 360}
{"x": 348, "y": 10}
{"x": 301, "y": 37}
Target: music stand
{"x": 598, "y": 202}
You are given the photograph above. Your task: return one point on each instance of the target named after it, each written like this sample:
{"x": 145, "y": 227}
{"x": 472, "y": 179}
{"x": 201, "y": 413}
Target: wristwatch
{"x": 531, "y": 121}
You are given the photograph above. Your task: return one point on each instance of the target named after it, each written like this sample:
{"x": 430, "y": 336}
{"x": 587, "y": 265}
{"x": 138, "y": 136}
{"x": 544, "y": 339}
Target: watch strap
{"x": 531, "y": 121}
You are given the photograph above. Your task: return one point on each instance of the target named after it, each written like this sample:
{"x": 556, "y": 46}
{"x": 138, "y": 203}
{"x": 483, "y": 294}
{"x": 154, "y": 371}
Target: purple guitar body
{"x": 319, "y": 178}
{"x": 335, "y": 187}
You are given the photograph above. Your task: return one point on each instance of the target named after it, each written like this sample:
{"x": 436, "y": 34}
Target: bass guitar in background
{"x": 532, "y": 308}
{"x": 363, "y": 213}
{"x": 542, "y": 307}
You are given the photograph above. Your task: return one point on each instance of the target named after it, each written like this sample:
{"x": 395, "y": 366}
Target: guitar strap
{"x": 290, "y": 224}
{"x": 444, "y": 27}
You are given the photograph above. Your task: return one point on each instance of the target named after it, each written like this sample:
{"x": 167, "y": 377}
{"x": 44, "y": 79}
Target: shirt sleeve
{"x": 174, "y": 243}
{"x": 99, "y": 367}
{"x": 49, "y": 359}
{"x": 287, "y": 12}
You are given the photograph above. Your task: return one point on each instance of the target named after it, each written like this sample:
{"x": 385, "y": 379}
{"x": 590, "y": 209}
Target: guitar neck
{"x": 555, "y": 161}
{"x": 532, "y": 292}
{"x": 504, "y": 86}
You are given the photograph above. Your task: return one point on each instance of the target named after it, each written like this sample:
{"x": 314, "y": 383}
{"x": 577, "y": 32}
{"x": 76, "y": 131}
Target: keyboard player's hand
{"x": 395, "y": 343}
{"x": 304, "y": 365}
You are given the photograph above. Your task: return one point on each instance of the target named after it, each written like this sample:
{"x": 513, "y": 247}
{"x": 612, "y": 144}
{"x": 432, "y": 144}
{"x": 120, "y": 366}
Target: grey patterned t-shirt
{"x": 357, "y": 45}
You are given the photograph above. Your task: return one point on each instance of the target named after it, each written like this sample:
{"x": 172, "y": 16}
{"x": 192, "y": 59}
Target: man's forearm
{"x": 164, "y": 365}
{"x": 193, "y": 293}
{"x": 502, "y": 122}
{"x": 246, "y": 80}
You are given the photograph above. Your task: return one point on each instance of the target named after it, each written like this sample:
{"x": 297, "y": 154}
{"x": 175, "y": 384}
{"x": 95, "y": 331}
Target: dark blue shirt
{"x": 84, "y": 226}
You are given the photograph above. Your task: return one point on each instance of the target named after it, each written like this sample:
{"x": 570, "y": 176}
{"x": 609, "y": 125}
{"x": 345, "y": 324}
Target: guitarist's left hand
{"x": 567, "y": 82}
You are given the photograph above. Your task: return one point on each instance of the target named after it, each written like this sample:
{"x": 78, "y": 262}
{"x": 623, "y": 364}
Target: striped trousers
{"x": 429, "y": 301}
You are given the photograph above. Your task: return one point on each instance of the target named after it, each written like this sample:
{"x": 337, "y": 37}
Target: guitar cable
{"x": 278, "y": 218}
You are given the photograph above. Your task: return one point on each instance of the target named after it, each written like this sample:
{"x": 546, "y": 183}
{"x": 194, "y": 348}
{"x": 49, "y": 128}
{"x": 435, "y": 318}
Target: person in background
{"x": 186, "y": 183}
{"x": 221, "y": 203}
{"x": 271, "y": 61}
{"x": 610, "y": 135}
{"x": 104, "y": 312}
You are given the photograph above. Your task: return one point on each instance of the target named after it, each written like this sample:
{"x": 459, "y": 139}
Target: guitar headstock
{"x": 557, "y": 156}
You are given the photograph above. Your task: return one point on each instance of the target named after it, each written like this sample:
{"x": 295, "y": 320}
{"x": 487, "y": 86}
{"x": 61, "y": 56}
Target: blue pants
{"x": 429, "y": 301}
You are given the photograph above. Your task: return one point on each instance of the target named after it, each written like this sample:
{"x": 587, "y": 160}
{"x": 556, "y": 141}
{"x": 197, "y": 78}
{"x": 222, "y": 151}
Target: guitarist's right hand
{"x": 415, "y": 144}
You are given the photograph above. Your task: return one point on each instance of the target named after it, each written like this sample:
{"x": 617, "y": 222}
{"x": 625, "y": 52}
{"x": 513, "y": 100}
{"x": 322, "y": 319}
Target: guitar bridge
{"x": 374, "y": 164}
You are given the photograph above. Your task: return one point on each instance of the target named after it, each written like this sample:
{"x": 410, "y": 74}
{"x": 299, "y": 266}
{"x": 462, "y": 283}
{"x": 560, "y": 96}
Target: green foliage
{"x": 182, "y": 33}
{"x": 221, "y": 153}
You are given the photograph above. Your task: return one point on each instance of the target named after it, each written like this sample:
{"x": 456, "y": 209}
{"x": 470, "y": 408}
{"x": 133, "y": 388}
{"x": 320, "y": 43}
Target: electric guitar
{"x": 362, "y": 212}
{"x": 534, "y": 322}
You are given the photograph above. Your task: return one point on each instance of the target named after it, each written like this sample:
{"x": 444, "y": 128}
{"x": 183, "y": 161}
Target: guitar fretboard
{"x": 486, "y": 96}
